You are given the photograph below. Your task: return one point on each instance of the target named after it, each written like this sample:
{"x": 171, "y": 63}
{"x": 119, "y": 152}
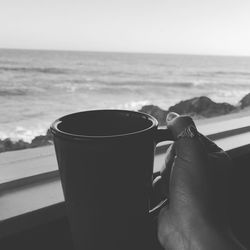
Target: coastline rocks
{"x": 156, "y": 112}
{"x": 196, "y": 107}
{"x": 41, "y": 140}
{"x": 8, "y": 145}
{"x": 202, "y": 106}
{"x": 245, "y": 101}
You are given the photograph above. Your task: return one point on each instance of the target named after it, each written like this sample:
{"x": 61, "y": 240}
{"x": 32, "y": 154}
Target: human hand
{"x": 195, "y": 180}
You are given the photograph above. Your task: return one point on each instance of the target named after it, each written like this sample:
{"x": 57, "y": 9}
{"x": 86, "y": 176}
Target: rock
{"x": 2, "y": 147}
{"x": 8, "y": 145}
{"x": 195, "y": 107}
{"x": 202, "y": 106}
{"x": 42, "y": 140}
{"x": 245, "y": 101}
{"x": 20, "y": 145}
{"x": 156, "y": 112}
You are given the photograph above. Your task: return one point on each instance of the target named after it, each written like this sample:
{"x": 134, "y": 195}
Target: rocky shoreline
{"x": 39, "y": 141}
{"x": 198, "y": 107}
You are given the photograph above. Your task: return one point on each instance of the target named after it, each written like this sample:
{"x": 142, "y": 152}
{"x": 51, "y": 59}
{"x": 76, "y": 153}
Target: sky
{"x": 218, "y": 27}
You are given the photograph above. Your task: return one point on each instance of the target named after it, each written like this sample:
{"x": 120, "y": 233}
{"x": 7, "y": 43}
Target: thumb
{"x": 188, "y": 145}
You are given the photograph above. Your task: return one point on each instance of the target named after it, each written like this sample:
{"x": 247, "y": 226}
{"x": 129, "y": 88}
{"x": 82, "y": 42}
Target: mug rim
{"x": 56, "y": 131}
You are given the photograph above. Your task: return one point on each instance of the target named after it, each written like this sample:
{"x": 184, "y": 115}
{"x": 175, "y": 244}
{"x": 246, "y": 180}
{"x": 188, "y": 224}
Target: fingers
{"x": 177, "y": 124}
{"x": 189, "y": 149}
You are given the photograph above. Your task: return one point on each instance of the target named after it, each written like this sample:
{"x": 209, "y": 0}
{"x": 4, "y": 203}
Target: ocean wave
{"x": 124, "y": 86}
{"x": 13, "y": 92}
{"x": 133, "y": 105}
{"x": 219, "y": 73}
{"x": 232, "y": 73}
{"x": 196, "y": 84}
{"x": 149, "y": 83}
{"x": 47, "y": 70}
{"x": 68, "y": 86}
{"x": 229, "y": 96}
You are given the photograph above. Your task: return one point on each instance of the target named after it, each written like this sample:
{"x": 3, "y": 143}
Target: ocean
{"x": 36, "y": 87}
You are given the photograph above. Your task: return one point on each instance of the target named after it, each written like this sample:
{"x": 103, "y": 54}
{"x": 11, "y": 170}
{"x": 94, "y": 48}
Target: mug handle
{"x": 161, "y": 135}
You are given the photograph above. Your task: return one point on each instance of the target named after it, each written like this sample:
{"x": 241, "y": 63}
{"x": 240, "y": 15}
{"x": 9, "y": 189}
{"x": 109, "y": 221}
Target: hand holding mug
{"x": 195, "y": 179}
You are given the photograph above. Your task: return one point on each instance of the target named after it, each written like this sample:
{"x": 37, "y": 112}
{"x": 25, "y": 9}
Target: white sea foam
{"x": 22, "y": 133}
{"x": 231, "y": 96}
{"x": 133, "y": 105}
{"x": 68, "y": 86}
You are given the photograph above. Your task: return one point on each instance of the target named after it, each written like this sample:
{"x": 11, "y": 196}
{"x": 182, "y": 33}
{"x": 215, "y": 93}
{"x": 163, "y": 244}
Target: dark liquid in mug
{"x": 104, "y": 123}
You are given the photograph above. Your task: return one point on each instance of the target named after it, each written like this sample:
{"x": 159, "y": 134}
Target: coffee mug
{"x": 105, "y": 160}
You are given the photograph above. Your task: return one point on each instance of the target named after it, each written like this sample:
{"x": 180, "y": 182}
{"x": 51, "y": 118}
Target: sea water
{"x": 36, "y": 87}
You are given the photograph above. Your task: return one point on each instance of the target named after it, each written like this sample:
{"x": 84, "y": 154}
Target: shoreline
{"x": 202, "y": 109}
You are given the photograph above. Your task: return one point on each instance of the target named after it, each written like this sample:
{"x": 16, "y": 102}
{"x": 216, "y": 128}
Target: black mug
{"x": 105, "y": 160}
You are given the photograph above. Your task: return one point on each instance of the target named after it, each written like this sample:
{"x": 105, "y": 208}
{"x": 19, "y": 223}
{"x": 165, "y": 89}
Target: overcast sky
{"x": 161, "y": 26}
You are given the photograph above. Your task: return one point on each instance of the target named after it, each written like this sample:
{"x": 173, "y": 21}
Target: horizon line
{"x": 127, "y": 52}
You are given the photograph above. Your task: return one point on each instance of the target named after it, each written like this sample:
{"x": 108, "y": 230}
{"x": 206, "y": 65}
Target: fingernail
{"x": 171, "y": 116}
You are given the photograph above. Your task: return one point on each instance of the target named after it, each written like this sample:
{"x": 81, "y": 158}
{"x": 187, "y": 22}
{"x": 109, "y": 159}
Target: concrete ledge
{"x": 16, "y": 165}
{"x": 29, "y": 180}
